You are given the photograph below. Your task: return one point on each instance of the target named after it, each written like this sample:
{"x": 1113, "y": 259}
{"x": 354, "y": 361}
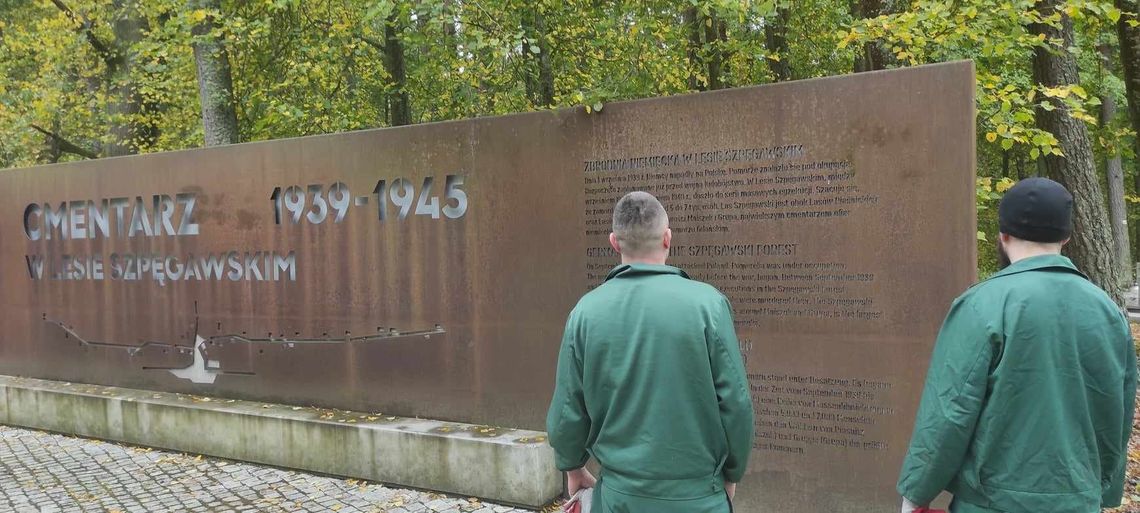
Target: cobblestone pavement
{"x": 44, "y": 472}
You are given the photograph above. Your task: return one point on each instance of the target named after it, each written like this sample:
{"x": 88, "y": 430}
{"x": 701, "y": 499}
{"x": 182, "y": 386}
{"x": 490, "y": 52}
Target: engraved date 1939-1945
{"x": 316, "y": 205}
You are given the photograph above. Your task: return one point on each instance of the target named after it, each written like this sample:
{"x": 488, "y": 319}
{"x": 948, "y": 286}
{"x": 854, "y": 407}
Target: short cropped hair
{"x": 640, "y": 222}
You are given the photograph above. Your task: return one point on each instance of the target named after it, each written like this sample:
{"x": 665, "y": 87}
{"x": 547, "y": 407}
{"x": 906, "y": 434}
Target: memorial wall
{"x": 428, "y": 270}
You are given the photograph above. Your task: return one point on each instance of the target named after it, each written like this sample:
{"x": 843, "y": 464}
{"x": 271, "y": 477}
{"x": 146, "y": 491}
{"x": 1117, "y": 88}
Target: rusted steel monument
{"x": 428, "y": 270}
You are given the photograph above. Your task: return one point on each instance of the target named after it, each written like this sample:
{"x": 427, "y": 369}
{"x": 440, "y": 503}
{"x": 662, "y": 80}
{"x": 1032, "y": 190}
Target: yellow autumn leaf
{"x": 991, "y": 137}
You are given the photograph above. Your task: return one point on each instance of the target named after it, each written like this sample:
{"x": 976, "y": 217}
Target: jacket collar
{"x": 1056, "y": 263}
{"x": 636, "y": 270}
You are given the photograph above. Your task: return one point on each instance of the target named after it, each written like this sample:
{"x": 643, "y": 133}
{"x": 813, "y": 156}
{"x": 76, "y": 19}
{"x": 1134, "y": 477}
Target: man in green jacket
{"x": 651, "y": 382}
{"x": 1029, "y": 398}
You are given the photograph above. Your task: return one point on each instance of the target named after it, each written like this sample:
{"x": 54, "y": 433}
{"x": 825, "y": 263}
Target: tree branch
{"x": 65, "y": 145}
{"x": 84, "y": 26}
{"x": 373, "y": 42}
{"x": 488, "y": 15}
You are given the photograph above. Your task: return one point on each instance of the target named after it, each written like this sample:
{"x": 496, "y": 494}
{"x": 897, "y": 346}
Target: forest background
{"x": 1058, "y": 91}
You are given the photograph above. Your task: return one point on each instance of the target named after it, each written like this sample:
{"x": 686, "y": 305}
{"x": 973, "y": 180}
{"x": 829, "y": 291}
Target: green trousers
{"x": 608, "y": 500}
{"x": 957, "y": 506}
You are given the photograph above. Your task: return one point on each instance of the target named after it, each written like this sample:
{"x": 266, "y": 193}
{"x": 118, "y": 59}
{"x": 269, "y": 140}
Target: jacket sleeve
{"x": 951, "y": 404}
{"x": 568, "y": 422}
{"x": 732, "y": 392}
{"x": 1117, "y": 462}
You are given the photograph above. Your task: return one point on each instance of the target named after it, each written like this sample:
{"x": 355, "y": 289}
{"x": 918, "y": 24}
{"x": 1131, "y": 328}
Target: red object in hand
{"x": 928, "y": 510}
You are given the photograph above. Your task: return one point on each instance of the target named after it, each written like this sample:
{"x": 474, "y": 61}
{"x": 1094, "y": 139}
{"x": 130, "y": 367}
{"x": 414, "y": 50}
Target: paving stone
{"x": 45, "y": 472}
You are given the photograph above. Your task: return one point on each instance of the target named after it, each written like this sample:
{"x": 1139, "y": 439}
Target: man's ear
{"x": 614, "y": 242}
{"x": 668, "y": 238}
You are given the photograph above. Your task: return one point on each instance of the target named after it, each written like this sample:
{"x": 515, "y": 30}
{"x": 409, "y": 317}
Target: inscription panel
{"x": 837, "y": 217}
{"x": 428, "y": 270}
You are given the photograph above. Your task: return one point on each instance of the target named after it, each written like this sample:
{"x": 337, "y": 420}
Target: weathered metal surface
{"x": 837, "y": 215}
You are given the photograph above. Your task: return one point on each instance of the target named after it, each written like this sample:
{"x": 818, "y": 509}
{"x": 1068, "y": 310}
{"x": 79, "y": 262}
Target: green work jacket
{"x": 1029, "y": 398}
{"x": 651, "y": 383}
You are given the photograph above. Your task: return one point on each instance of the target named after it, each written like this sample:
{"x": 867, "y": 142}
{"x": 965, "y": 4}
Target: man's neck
{"x": 642, "y": 260}
{"x": 1019, "y": 254}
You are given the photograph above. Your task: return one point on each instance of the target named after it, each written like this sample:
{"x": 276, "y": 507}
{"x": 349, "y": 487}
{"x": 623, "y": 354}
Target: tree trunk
{"x": 1114, "y": 170}
{"x": 215, "y": 81}
{"x": 1091, "y": 246}
{"x": 1130, "y": 61}
{"x": 1136, "y": 236}
{"x": 545, "y": 73}
{"x": 130, "y": 127}
{"x": 399, "y": 105}
{"x": 706, "y": 50}
{"x": 450, "y": 43}
{"x": 716, "y": 60}
{"x": 693, "y": 21}
{"x": 874, "y": 55}
{"x": 776, "y": 41}
{"x": 1118, "y": 212}
{"x": 539, "y": 76}
{"x": 449, "y": 22}
{"x": 723, "y": 53}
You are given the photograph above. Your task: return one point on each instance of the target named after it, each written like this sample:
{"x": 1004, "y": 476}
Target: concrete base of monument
{"x": 498, "y": 464}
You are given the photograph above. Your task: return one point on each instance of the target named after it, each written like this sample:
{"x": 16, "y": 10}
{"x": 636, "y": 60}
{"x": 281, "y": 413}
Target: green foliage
{"x": 989, "y": 193}
{"x": 995, "y": 33}
{"x": 304, "y": 67}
